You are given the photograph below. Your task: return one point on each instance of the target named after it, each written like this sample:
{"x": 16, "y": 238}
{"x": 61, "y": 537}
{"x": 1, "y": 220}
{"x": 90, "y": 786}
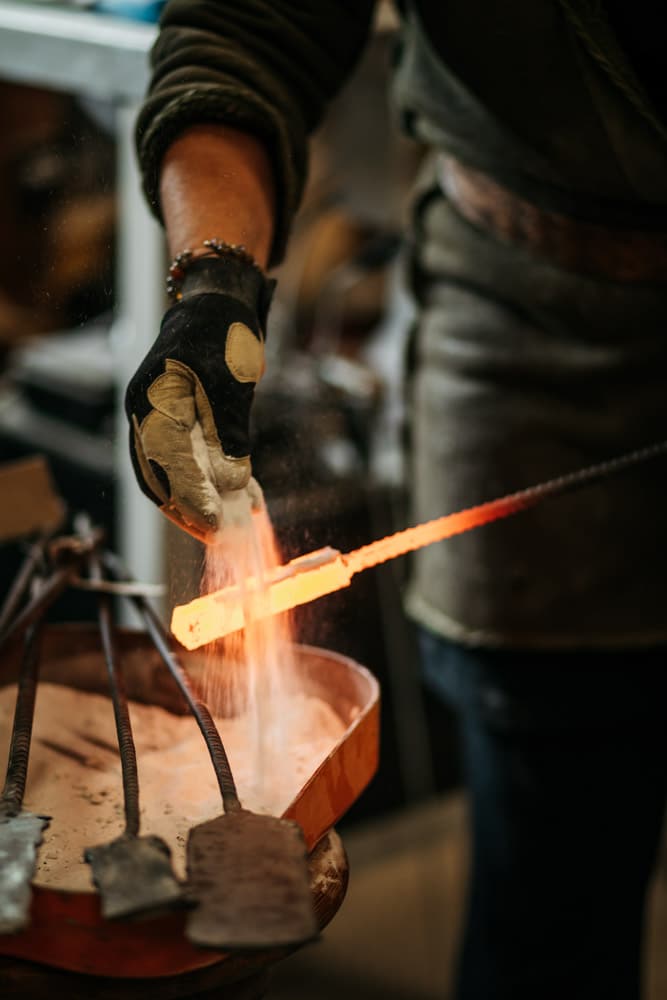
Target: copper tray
{"x": 67, "y": 930}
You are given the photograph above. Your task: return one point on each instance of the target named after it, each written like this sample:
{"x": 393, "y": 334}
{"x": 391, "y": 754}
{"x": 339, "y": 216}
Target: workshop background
{"x": 328, "y": 449}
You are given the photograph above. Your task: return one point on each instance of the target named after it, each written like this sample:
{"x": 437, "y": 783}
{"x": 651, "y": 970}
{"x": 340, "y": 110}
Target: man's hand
{"x": 189, "y": 402}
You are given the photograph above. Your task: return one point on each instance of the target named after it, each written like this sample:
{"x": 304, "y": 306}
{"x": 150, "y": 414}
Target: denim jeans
{"x": 566, "y": 767}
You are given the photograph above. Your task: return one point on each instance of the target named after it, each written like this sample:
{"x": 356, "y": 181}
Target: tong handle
{"x": 35, "y": 555}
{"x": 203, "y": 717}
{"x": 126, "y": 746}
{"x": 24, "y": 713}
{"x": 68, "y": 556}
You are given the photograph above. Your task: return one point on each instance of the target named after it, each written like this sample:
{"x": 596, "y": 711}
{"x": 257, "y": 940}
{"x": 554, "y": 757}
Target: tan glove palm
{"x": 189, "y": 407}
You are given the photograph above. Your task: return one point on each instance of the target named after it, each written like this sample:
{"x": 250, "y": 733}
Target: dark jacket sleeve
{"x": 268, "y": 67}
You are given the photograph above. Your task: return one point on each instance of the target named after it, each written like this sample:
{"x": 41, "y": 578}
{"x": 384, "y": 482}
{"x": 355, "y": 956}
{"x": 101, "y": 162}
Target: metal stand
{"x": 106, "y": 58}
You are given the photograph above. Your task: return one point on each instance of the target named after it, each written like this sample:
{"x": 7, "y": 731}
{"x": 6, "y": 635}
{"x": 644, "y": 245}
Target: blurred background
{"x": 81, "y": 296}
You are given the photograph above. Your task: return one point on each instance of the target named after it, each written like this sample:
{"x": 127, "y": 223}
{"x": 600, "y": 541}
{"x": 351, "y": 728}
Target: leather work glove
{"x": 189, "y": 402}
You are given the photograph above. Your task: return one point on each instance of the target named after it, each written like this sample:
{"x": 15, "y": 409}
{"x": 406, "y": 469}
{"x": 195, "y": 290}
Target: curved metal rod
{"x": 68, "y": 555}
{"x": 27, "y": 570}
{"x": 128, "y": 754}
{"x": 207, "y": 727}
{"x": 19, "y": 746}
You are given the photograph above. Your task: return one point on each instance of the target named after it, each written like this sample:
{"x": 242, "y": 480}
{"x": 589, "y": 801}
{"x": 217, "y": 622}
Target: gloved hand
{"x": 189, "y": 402}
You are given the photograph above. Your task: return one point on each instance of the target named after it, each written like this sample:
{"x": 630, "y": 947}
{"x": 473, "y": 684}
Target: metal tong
{"x": 21, "y": 831}
{"x": 133, "y": 874}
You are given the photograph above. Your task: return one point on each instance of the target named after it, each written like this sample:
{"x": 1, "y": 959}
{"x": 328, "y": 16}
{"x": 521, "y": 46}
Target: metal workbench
{"x": 106, "y": 58}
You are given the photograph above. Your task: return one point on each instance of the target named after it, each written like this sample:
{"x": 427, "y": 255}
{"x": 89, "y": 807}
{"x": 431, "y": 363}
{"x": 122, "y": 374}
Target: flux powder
{"x": 74, "y": 774}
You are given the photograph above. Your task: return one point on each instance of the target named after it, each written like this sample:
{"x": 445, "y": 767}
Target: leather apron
{"x": 522, "y": 369}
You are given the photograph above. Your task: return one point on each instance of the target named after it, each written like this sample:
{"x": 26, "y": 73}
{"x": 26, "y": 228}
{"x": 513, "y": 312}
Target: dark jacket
{"x": 470, "y": 76}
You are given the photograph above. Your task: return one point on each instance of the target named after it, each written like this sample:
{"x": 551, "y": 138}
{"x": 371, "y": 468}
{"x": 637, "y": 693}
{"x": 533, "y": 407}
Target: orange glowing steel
{"x": 318, "y": 573}
{"x": 304, "y": 579}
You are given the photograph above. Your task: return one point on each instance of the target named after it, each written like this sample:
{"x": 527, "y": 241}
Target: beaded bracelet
{"x": 214, "y": 248}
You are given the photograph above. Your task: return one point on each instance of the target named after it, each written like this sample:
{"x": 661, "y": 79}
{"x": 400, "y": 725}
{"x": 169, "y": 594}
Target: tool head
{"x": 133, "y": 876}
{"x": 248, "y": 878}
{"x": 20, "y": 836}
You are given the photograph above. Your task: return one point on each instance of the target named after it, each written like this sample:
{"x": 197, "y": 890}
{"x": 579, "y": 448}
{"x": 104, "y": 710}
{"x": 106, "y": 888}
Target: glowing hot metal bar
{"x": 322, "y": 572}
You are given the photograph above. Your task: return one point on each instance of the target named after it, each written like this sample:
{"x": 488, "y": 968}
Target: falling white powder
{"x": 253, "y": 671}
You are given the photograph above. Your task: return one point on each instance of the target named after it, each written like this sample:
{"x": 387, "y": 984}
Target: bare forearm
{"x": 217, "y": 182}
